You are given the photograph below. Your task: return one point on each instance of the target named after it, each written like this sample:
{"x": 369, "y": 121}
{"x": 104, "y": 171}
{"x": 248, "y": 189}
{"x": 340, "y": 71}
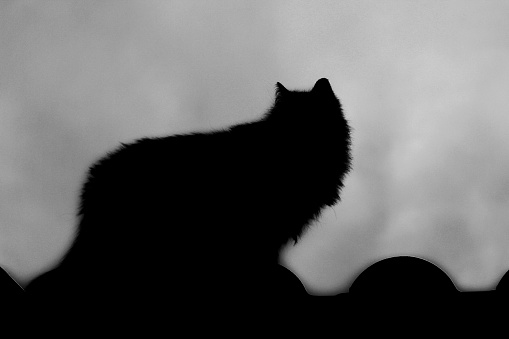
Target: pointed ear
{"x": 322, "y": 86}
{"x": 280, "y": 90}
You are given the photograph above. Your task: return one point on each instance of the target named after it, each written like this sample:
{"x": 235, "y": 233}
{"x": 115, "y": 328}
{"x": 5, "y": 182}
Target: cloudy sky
{"x": 423, "y": 83}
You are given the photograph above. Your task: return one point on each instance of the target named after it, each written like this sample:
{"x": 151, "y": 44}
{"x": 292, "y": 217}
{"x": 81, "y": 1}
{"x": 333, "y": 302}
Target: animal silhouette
{"x": 204, "y": 216}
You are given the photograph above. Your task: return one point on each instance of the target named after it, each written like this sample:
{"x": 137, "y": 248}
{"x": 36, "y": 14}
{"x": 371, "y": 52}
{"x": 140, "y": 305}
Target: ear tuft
{"x": 280, "y": 90}
{"x": 322, "y": 86}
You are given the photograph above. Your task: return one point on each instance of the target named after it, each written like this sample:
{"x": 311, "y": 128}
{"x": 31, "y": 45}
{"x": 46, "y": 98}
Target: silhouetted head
{"x": 307, "y": 108}
{"x": 312, "y": 126}
{"x": 306, "y": 142}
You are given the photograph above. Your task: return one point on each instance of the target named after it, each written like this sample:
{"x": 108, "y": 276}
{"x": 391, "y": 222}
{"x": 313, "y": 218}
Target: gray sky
{"x": 423, "y": 83}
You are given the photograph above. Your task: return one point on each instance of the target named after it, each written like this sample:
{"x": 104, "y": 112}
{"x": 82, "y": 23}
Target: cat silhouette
{"x": 204, "y": 216}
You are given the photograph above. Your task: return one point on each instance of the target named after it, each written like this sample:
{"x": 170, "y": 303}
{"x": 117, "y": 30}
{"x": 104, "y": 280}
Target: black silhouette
{"x": 12, "y": 299}
{"x": 9, "y": 289}
{"x": 402, "y": 277}
{"x": 204, "y": 216}
{"x": 503, "y": 284}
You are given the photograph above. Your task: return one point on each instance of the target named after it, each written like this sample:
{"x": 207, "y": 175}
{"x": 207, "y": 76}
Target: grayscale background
{"x": 425, "y": 85}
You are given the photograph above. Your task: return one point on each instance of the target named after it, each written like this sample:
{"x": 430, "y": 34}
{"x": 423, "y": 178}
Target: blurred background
{"x": 424, "y": 84}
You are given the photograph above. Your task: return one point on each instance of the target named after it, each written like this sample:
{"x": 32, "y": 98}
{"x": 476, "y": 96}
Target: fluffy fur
{"x": 205, "y": 215}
